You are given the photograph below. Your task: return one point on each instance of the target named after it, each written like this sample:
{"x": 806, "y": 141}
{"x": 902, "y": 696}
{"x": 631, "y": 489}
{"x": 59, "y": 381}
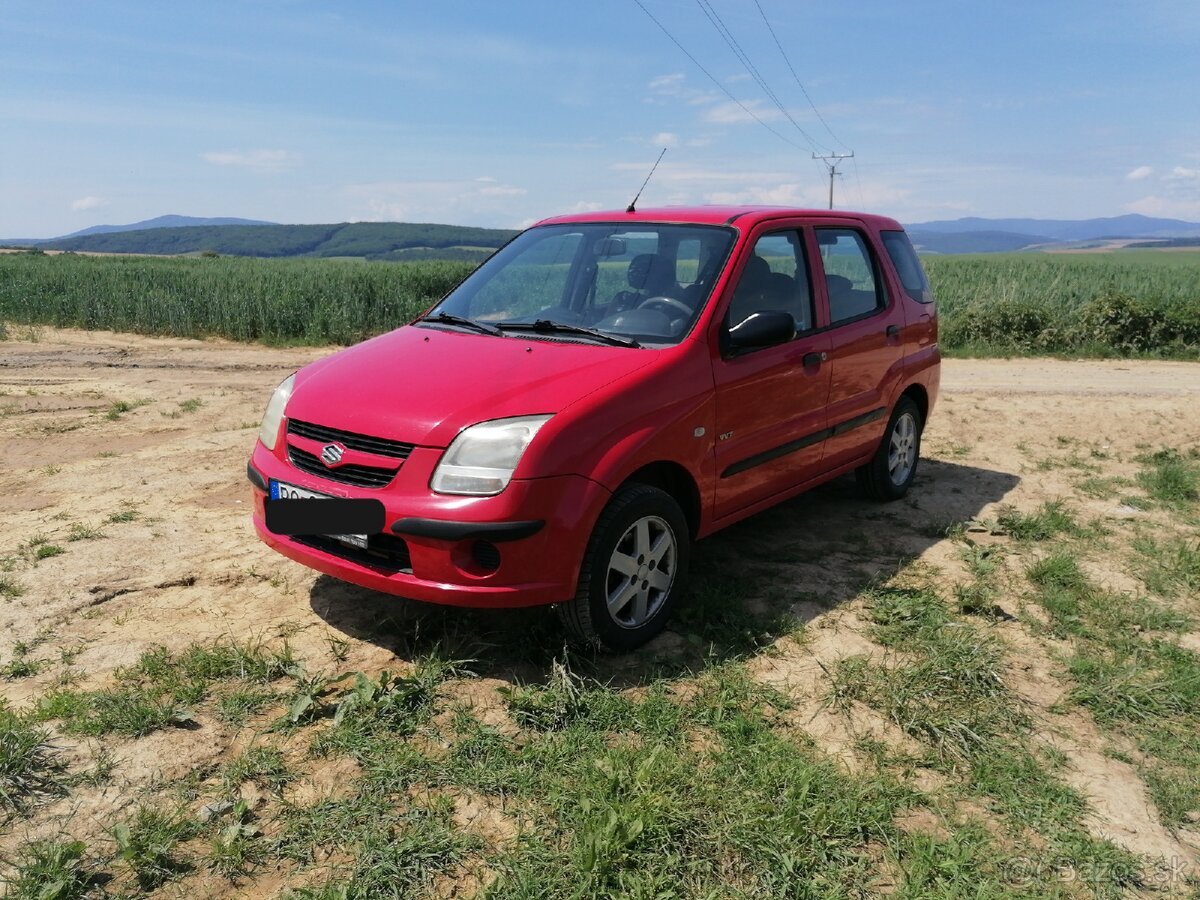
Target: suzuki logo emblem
{"x": 331, "y": 454}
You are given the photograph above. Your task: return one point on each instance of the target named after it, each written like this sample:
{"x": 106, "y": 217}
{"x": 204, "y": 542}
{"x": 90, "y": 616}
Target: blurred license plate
{"x": 281, "y": 490}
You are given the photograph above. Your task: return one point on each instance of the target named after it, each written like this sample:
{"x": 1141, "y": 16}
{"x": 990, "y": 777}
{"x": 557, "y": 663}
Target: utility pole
{"x": 832, "y": 166}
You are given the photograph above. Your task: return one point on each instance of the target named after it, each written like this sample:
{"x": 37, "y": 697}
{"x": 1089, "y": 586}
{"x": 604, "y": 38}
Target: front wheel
{"x": 891, "y": 471}
{"x": 632, "y": 572}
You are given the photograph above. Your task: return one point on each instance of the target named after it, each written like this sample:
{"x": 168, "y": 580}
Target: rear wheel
{"x": 632, "y": 572}
{"x": 890, "y": 472}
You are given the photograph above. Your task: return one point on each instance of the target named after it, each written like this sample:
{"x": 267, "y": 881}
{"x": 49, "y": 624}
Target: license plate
{"x": 281, "y": 490}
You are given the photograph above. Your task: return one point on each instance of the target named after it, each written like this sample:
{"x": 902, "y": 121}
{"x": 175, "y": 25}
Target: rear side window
{"x": 908, "y": 266}
{"x": 850, "y": 274}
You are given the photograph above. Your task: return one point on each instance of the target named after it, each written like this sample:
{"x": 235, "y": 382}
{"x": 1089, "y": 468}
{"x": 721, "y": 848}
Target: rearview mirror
{"x": 761, "y": 329}
{"x": 609, "y": 247}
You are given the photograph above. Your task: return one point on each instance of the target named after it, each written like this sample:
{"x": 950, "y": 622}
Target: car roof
{"x": 742, "y": 216}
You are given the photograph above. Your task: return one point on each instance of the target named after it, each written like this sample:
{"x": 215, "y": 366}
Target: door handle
{"x": 892, "y": 330}
{"x": 814, "y": 359}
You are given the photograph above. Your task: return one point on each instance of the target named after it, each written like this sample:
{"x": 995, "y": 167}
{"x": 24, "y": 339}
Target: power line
{"x": 862, "y": 200}
{"x": 747, "y": 110}
{"x": 730, "y": 41}
{"x": 792, "y": 69}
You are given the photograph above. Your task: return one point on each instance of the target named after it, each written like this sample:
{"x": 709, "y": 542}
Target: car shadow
{"x": 748, "y": 585}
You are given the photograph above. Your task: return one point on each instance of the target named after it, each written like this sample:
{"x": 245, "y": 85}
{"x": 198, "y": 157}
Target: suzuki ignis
{"x": 603, "y": 391}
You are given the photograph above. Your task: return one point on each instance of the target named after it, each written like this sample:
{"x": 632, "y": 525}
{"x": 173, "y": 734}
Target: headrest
{"x": 640, "y": 269}
{"x": 838, "y": 284}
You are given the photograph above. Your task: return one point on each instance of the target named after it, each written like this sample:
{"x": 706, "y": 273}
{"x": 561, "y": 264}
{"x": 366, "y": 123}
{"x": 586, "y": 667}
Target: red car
{"x": 604, "y": 390}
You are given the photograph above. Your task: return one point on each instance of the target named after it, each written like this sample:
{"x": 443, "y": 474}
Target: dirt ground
{"x": 189, "y": 568}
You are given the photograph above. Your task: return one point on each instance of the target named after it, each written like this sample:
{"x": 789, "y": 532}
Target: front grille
{"x": 359, "y": 476}
{"x": 383, "y": 551}
{"x": 353, "y": 440}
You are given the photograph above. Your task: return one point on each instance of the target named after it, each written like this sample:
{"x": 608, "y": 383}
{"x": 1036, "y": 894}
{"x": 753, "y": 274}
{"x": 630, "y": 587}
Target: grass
{"x": 1109, "y": 304}
{"x": 81, "y": 532}
{"x": 182, "y": 408}
{"x": 119, "y": 407}
{"x": 51, "y": 870}
{"x": 1169, "y": 567}
{"x": 285, "y": 301}
{"x": 1052, "y": 518}
{"x": 264, "y": 766}
{"x": 687, "y": 776}
{"x": 10, "y": 588}
{"x": 160, "y": 690}
{"x": 147, "y": 845}
{"x": 128, "y": 513}
{"x": 1171, "y": 478}
{"x": 1115, "y": 304}
{"x": 29, "y": 766}
{"x": 1128, "y": 672}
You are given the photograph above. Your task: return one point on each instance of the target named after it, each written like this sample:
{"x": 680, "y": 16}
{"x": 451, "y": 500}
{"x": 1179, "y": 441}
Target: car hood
{"x": 424, "y": 385}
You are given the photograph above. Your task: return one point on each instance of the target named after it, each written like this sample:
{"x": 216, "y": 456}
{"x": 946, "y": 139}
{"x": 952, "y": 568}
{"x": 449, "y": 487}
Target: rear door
{"x": 866, "y": 326}
{"x": 771, "y": 401}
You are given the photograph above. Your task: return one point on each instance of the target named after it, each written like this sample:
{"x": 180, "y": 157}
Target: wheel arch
{"x": 917, "y": 393}
{"x": 677, "y": 481}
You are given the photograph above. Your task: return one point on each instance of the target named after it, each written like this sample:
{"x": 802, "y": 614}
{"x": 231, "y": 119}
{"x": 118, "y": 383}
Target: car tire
{"x": 894, "y": 466}
{"x": 632, "y": 573}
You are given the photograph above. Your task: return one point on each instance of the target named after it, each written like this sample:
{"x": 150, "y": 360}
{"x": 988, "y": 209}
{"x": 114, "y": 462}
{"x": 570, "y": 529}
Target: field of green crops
{"x": 1122, "y": 303}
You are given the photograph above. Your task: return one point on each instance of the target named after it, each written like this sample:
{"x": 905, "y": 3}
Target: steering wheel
{"x": 669, "y": 305}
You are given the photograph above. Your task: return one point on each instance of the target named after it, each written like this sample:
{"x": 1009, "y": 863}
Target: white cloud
{"x": 255, "y": 160}
{"x": 501, "y": 190}
{"x": 665, "y": 139}
{"x": 1172, "y": 207}
{"x": 734, "y": 113}
{"x": 674, "y": 87}
{"x": 1179, "y": 173}
{"x": 468, "y": 201}
{"x": 584, "y": 206}
{"x": 1140, "y": 173}
{"x": 89, "y": 202}
{"x": 667, "y": 83}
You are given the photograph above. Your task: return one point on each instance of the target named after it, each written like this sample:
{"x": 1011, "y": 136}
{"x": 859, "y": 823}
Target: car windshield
{"x": 643, "y": 283}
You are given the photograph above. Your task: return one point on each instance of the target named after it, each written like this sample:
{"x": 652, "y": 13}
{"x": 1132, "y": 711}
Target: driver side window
{"x": 775, "y": 279}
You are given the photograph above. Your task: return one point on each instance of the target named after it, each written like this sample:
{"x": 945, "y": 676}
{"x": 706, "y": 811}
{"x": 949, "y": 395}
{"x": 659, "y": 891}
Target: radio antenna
{"x": 630, "y": 208}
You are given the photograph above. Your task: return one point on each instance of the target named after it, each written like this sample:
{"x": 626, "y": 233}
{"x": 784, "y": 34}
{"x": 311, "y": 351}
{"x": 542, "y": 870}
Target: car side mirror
{"x": 761, "y": 329}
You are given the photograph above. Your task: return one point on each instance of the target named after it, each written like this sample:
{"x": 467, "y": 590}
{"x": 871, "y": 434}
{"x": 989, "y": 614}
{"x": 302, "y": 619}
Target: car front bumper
{"x": 522, "y": 547}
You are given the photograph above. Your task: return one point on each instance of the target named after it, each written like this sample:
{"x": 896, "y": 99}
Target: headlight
{"x": 274, "y": 414}
{"x": 481, "y": 460}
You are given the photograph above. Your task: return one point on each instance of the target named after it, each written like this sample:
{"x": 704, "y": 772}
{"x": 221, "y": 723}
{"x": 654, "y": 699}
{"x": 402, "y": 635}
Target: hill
{"x": 158, "y": 222}
{"x": 973, "y": 241}
{"x": 366, "y": 240}
{"x": 1129, "y": 226}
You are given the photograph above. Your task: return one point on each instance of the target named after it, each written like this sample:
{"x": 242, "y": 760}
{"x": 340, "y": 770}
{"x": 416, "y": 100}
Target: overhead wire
{"x": 730, "y": 41}
{"x": 862, "y": 200}
{"x": 746, "y": 109}
{"x": 792, "y": 69}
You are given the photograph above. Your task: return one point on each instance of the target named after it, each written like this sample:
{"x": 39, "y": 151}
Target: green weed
{"x": 1170, "y": 478}
{"x": 119, "y": 407}
{"x": 51, "y": 870}
{"x": 147, "y": 845}
{"x": 1052, "y": 518}
{"x": 1169, "y": 567}
{"x": 29, "y": 766}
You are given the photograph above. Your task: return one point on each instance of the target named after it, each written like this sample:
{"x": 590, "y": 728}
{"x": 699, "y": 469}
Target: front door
{"x": 770, "y": 402}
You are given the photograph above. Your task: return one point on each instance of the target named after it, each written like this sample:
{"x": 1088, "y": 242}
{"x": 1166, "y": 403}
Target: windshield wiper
{"x": 548, "y": 326}
{"x": 446, "y": 318}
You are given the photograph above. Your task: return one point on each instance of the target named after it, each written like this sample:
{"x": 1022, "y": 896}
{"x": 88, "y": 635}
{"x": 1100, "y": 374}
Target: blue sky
{"x": 501, "y": 113}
